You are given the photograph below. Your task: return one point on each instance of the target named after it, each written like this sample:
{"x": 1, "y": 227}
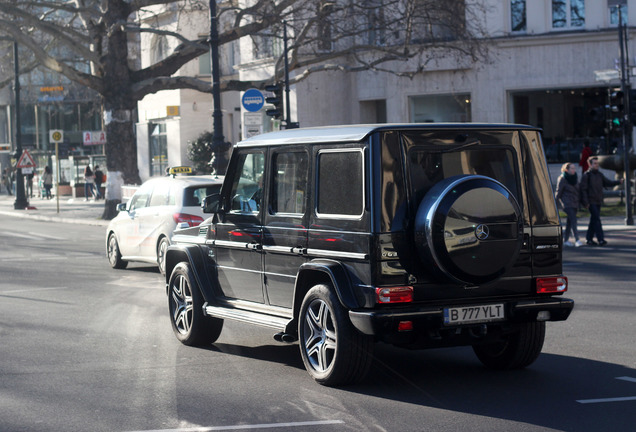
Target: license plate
{"x": 473, "y": 314}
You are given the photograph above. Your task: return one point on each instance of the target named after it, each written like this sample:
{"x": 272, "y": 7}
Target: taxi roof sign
{"x": 180, "y": 170}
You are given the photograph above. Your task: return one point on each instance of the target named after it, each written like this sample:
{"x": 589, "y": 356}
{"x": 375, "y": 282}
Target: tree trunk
{"x": 119, "y": 111}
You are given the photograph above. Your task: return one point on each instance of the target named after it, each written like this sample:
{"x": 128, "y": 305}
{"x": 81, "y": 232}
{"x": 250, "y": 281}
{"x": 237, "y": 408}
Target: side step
{"x": 264, "y": 320}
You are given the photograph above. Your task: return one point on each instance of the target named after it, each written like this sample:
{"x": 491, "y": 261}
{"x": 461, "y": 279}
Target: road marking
{"x": 245, "y": 427}
{"x": 33, "y": 289}
{"x": 617, "y": 399}
{"x": 630, "y": 379}
{"x": 47, "y": 236}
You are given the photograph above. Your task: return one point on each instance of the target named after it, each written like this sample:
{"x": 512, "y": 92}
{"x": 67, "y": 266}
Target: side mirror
{"x": 122, "y": 207}
{"x": 211, "y": 203}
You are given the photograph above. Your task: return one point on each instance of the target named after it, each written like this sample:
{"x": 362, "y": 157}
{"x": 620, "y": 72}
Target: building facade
{"x": 539, "y": 70}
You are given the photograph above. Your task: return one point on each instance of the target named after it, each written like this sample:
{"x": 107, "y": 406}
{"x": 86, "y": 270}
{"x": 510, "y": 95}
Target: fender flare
{"x": 319, "y": 271}
{"x": 193, "y": 255}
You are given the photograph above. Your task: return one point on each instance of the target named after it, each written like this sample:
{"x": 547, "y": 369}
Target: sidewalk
{"x": 72, "y": 210}
{"x": 78, "y": 211}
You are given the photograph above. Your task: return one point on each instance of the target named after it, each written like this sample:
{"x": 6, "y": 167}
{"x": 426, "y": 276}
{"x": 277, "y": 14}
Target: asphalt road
{"x": 87, "y": 348}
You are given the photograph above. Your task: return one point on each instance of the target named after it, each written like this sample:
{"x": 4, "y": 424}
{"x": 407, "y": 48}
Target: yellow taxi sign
{"x": 180, "y": 170}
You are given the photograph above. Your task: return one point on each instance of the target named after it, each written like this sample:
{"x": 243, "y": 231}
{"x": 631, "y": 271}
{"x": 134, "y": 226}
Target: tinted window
{"x": 247, "y": 185}
{"x": 340, "y": 183}
{"x": 290, "y": 183}
{"x": 428, "y": 167}
{"x": 193, "y": 196}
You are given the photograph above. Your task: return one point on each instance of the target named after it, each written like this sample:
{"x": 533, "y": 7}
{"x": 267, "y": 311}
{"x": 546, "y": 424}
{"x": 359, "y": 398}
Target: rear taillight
{"x": 191, "y": 220}
{"x": 552, "y": 285}
{"x": 401, "y": 294}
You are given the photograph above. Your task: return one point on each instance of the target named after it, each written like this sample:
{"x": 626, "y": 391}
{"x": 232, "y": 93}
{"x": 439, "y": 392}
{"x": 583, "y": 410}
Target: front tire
{"x": 114, "y": 255}
{"x": 185, "y": 304}
{"x": 161, "y": 254}
{"x": 517, "y": 351}
{"x": 333, "y": 351}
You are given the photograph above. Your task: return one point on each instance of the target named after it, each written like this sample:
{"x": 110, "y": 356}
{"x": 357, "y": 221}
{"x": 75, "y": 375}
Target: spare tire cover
{"x": 470, "y": 228}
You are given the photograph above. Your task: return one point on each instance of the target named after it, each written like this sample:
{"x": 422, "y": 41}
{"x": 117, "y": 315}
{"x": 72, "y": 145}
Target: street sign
{"x": 25, "y": 161}
{"x": 56, "y": 135}
{"x": 94, "y": 138}
{"x": 606, "y": 74}
{"x": 253, "y": 100}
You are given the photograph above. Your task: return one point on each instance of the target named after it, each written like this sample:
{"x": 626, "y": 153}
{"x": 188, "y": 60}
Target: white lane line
{"x": 32, "y": 290}
{"x": 47, "y": 236}
{"x": 245, "y": 427}
{"x": 619, "y": 399}
{"x": 626, "y": 378}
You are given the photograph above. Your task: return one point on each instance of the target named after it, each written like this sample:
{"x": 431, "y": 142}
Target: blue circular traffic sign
{"x": 253, "y": 100}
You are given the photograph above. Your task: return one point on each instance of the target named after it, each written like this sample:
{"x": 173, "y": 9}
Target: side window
{"x": 340, "y": 183}
{"x": 159, "y": 195}
{"x": 247, "y": 185}
{"x": 141, "y": 197}
{"x": 290, "y": 183}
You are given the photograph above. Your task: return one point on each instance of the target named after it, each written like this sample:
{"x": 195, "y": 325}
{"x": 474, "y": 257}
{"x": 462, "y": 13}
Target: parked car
{"x": 417, "y": 235}
{"x": 144, "y": 226}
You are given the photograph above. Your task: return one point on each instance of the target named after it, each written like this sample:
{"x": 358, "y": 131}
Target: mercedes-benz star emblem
{"x": 482, "y": 232}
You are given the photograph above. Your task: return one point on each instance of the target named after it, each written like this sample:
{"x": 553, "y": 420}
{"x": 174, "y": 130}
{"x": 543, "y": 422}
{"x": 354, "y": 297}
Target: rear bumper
{"x": 429, "y": 320}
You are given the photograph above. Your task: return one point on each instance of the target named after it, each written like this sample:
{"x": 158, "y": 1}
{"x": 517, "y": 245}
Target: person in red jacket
{"x": 585, "y": 155}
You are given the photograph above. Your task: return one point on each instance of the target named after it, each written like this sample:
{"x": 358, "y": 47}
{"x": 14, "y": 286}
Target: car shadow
{"x": 547, "y": 394}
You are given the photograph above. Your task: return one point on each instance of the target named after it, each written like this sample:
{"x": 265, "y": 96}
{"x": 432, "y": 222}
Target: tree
{"x": 94, "y": 43}
{"x": 205, "y": 155}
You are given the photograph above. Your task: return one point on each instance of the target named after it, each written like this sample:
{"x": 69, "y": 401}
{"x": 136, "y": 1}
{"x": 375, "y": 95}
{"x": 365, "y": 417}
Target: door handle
{"x": 254, "y": 246}
{"x": 299, "y": 250}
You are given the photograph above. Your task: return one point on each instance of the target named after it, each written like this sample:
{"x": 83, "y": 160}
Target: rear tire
{"x": 333, "y": 351}
{"x": 185, "y": 304}
{"x": 517, "y": 351}
{"x": 114, "y": 255}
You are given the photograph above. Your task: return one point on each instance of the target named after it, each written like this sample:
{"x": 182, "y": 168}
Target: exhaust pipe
{"x": 285, "y": 337}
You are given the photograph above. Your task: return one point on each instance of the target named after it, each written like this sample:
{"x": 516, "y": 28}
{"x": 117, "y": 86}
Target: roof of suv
{"x": 355, "y": 133}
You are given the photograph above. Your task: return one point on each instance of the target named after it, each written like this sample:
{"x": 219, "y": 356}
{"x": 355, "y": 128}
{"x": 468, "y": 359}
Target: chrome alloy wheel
{"x": 319, "y": 336}
{"x": 113, "y": 250}
{"x": 181, "y": 304}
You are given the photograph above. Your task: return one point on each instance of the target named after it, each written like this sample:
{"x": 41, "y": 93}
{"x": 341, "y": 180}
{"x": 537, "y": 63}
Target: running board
{"x": 264, "y": 320}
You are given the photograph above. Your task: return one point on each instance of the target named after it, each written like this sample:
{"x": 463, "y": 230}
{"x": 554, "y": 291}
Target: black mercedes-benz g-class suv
{"x": 417, "y": 235}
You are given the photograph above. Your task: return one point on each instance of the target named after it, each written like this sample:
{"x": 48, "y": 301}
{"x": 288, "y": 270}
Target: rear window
{"x": 193, "y": 196}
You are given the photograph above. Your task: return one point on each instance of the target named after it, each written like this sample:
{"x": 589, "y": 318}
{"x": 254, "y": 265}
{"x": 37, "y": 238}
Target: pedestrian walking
{"x": 47, "y": 182}
{"x": 99, "y": 177}
{"x": 567, "y": 195}
{"x": 29, "y": 184}
{"x": 585, "y": 155}
{"x": 89, "y": 182}
{"x": 592, "y": 185}
{"x": 5, "y": 180}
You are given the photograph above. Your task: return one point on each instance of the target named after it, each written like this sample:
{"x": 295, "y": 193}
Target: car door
{"x": 130, "y": 235}
{"x": 151, "y": 220}
{"x": 285, "y": 224}
{"x": 239, "y": 232}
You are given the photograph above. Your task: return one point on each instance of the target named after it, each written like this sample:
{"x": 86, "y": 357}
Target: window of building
{"x": 266, "y": 46}
{"x": 614, "y": 7}
{"x": 568, "y": 13}
{"x": 290, "y": 182}
{"x": 340, "y": 183}
{"x": 518, "y": 15}
{"x": 440, "y": 108}
{"x": 159, "y": 48}
{"x": 158, "y": 149}
{"x": 4, "y": 126}
{"x": 205, "y": 66}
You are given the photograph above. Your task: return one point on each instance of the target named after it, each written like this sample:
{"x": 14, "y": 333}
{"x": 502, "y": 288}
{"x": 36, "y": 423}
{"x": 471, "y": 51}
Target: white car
{"x": 144, "y": 226}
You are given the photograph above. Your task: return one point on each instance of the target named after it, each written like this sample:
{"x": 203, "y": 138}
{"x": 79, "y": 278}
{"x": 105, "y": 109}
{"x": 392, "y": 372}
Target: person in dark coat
{"x": 567, "y": 194}
{"x": 592, "y": 185}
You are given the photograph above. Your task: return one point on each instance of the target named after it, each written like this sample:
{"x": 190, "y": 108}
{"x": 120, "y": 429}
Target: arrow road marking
{"x": 618, "y": 399}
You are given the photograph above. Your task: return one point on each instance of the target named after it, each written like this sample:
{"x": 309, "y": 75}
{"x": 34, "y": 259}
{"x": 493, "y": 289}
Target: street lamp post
{"x": 627, "y": 125}
{"x": 20, "y": 197}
